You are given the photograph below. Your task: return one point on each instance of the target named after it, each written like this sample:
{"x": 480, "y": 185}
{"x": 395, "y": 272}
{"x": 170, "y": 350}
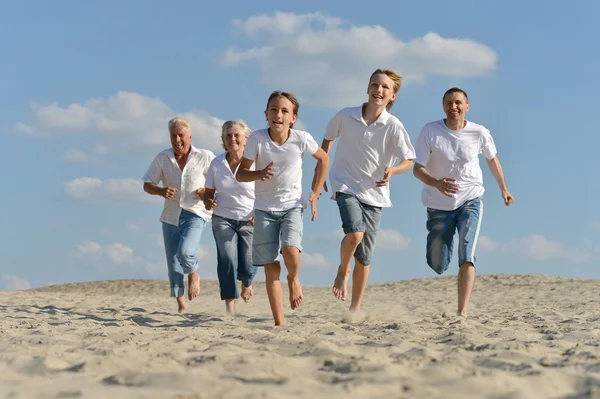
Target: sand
{"x": 527, "y": 337}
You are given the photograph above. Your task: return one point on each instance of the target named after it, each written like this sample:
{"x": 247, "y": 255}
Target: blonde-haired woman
{"x": 232, "y": 203}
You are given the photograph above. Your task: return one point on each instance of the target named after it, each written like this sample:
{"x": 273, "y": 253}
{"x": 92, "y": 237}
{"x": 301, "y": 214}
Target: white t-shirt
{"x": 235, "y": 200}
{"x": 164, "y": 168}
{"x": 283, "y": 191}
{"x": 455, "y": 154}
{"x": 363, "y": 153}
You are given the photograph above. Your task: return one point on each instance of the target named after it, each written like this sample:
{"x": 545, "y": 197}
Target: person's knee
{"x": 354, "y": 238}
{"x": 437, "y": 263}
{"x": 272, "y": 271}
{"x": 467, "y": 265}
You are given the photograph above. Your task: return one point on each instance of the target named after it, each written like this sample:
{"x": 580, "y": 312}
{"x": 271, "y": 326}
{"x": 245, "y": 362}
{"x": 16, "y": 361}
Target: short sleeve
{"x": 403, "y": 148}
{"x": 309, "y": 145}
{"x": 210, "y": 175}
{"x": 423, "y": 147}
{"x": 334, "y": 128}
{"x": 251, "y": 149}
{"x": 488, "y": 147}
{"x": 210, "y": 157}
{"x": 154, "y": 173}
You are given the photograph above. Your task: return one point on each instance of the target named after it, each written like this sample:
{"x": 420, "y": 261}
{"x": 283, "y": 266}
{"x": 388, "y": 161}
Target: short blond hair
{"x": 229, "y": 124}
{"x": 180, "y": 121}
{"x": 397, "y": 79}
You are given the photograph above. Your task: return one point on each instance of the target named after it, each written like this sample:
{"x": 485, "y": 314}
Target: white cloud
{"x": 111, "y": 191}
{"x": 10, "y": 282}
{"x": 316, "y": 261}
{"x": 486, "y": 244}
{"x": 119, "y": 254}
{"x": 595, "y": 226}
{"x": 124, "y": 121}
{"x": 74, "y": 155}
{"x": 326, "y": 61}
{"x": 540, "y": 248}
{"x": 392, "y": 240}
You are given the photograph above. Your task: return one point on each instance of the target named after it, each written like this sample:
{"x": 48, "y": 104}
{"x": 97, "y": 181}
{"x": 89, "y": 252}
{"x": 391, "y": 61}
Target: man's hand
{"x": 209, "y": 203}
{"x": 251, "y": 221}
{"x": 168, "y": 192}
{"x": 313, "y": 198}
{"x": 507, "y": 197}
{"x": 446, "y": 186}
{"x": 267, "y": 172}
{"x": 387, "y": 175}
{"x": 200, "y": 193}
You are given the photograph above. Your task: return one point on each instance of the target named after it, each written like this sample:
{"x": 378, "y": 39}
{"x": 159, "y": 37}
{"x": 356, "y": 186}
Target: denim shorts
{"x": 274, "y": 230}
{"x": 359, "y": 217}
{"x": 442, "y": 225}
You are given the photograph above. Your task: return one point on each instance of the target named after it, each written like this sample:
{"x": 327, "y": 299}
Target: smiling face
{"x": 381, "y": 90}
{"x": 235, "y": 139}
{"x": 456, "y": 106}
{"x": 181, "y": 140}
{"x": 280, "y": 114}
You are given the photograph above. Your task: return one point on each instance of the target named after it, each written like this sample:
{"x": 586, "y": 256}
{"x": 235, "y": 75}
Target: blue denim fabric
{"x": 191, "y": 227}
{"x": 272, "y": 228}
{"x": 171, "y": 237}
{"x": 359, "y": 217}
{"x": 442, "y": 226}
{"x": 234, "y": 254}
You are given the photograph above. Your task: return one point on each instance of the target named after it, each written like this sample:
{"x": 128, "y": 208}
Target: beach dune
{"x": 527, "y": 337}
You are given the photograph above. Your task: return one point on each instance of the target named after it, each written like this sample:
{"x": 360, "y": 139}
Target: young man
{"x": 371, "y": 142}
{"x": 182, "y": 170}
{"x": 448, "y": 165}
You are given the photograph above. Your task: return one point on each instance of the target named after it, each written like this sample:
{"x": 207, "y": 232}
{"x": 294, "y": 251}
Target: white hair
{"x": 180, "y": 121}
{"x": 229, "y": 124}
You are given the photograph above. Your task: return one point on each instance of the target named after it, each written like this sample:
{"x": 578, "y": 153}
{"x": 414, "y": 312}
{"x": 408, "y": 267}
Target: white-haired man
{"x": 182, "y": 170}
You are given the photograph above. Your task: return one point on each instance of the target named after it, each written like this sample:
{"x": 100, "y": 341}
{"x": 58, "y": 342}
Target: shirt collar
{"x": 357, "y": 114}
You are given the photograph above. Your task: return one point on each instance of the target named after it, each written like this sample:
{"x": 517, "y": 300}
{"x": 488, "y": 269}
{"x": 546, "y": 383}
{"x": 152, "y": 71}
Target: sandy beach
{"x": 527, "y": 337}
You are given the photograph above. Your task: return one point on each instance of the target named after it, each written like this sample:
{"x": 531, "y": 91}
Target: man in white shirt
{"x": 448, "y": 165}
{"x": 373, "y": 147}
{"x": 182, "y": 170}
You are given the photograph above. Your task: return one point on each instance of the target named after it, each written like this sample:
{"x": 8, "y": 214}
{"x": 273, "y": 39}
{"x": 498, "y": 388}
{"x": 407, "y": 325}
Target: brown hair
{"x": 289, "y": 96}
{"x": 455, "y": 90}
{"x": 397, "y": 79}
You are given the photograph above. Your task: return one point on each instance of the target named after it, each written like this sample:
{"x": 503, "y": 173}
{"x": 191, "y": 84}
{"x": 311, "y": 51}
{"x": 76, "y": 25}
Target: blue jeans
{"x": 171, "y": 237}
{"x": 234, "y": 254}
{"x": 359, "y": 217}
{"x": 272, "y": 228}
{"x": 442, "y": 226}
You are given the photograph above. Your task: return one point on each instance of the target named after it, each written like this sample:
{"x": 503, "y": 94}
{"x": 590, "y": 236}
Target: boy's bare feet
{"x": 246, "y": 293}
{"x": 182, "y": 304}
{"x": 340, "y": 285}
{"x": 296, "y": 295}
{"x": 193, "y": 285}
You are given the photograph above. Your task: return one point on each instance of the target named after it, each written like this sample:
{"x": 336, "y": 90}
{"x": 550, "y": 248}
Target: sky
{"x": 87, "y": 89}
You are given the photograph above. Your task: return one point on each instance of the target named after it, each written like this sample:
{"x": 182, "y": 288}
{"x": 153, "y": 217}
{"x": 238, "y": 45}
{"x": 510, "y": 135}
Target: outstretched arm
{"x": 319, "y": 179}
{"x": 244, "y": 174}
{"x": 326, "y": 147}
{"x": 446, "y": 186}
{"x": 496, "y": 169}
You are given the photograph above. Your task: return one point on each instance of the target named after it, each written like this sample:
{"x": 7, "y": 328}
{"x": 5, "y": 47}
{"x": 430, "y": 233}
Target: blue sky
{"x": 87, "y": 89}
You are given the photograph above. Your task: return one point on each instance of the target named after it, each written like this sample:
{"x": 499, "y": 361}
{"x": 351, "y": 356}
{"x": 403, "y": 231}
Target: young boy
{"x": 371, "y": 142}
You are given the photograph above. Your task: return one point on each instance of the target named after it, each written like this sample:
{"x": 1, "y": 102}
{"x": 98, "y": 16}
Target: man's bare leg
{"x": 347, "y": 248}
{"x": 193, "y": 285}
{"x": 291, "y": 257}
{"x": 466, "y": 279}
{"x": 359, "y": 283}
{"x": 181, "y": 304}
{"x": 247, "y": 293}
{"x": 230, "y": 306}
{"x": 275, "y": 292}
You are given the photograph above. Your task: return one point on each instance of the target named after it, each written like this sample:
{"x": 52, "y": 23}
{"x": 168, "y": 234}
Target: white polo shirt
{"x": 164, "y": 168}
{"x": 455, "y": 154}
{"x": 283, "y": 191}
{"x": 235, "y": 200}
{"x": 363, "y": 153}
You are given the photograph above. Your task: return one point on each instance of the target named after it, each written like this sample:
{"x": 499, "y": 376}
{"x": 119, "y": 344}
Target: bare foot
{"x": 246, "y": 293}
{"x": 295, "y": 292}
{"x": 340, "y": 285}
{"x": 193, "y": 285}
{"x": 181, "y": 304}
{"x": 230, "y": 306}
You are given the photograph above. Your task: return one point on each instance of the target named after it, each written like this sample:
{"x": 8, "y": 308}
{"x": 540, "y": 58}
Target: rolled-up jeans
{"x": 234, "y": 254}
